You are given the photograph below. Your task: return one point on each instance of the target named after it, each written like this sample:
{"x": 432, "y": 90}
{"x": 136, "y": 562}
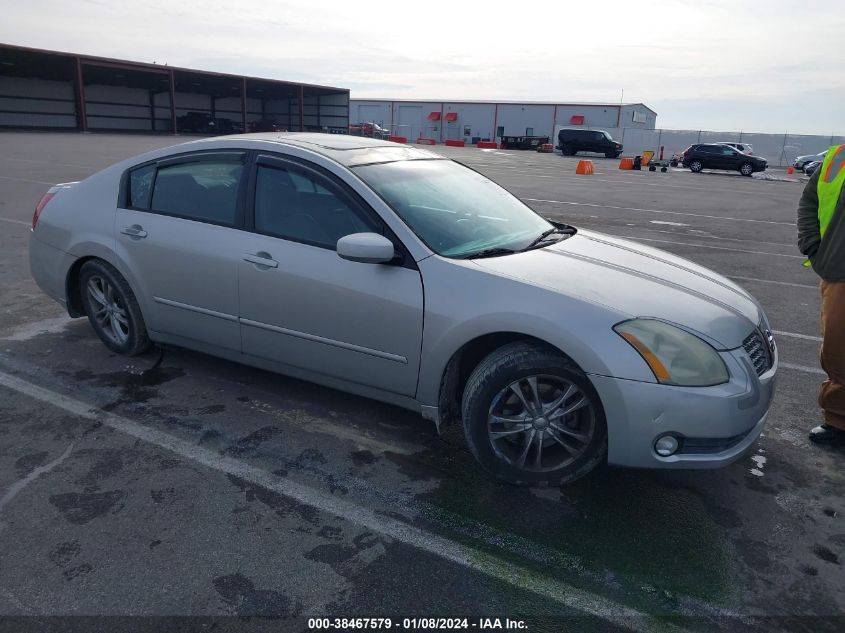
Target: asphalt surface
{"x": 177, "y": 484}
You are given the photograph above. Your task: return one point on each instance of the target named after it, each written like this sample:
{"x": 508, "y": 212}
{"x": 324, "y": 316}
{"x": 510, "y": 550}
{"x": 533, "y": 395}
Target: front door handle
{"x": 261, "y": 259}
{"x": 135, "y": 231}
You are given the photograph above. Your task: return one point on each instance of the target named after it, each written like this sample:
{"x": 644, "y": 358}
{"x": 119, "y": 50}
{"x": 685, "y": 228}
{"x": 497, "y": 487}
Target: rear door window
{"x": 205, "y": 189}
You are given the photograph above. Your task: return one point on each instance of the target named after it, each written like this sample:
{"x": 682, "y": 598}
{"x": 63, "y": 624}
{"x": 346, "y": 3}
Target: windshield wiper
{"x": 488, "y": 252}
{"x": 549, "y": 232}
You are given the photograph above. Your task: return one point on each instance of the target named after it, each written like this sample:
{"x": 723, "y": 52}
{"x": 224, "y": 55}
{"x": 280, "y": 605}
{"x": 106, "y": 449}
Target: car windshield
{"x": 456, "y": 211}
{"x": 607, "y": 136}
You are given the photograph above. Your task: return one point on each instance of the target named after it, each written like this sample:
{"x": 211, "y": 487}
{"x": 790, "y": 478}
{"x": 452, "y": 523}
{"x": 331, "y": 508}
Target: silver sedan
{"x": 391, "y": 272}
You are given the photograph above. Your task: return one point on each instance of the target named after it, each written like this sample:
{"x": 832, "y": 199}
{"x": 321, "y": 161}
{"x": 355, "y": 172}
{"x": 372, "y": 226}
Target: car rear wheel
{"x": 112, "y": 309}
{"x": 567, "y": 150}
{"x": 695, "y": 166}
{"x": 746, "y": 169}
{"x": 531, "y": 417}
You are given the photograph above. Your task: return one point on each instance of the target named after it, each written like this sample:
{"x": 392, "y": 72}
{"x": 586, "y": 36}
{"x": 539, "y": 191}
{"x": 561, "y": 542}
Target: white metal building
{"x": 472, "y": 121}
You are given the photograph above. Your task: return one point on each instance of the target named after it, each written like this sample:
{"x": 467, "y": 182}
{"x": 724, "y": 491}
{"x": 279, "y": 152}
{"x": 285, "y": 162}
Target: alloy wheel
{"x": 109, "y": 311}
{"x": 541, "y": 423}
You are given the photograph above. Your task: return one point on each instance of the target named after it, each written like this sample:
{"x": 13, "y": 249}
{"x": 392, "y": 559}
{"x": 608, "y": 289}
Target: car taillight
{"x": 41, "y": 204}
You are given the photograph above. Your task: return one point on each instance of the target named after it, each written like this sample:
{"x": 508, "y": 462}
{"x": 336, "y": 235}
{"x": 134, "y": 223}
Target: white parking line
{"x": 805, "y": 337}
{"x": 720, "y": 248}
{"x": 37, "y": 182}
{"x": 15, "y": 221}
{"x": 693, "y": 215}
{"x": 806, "y": 369}
{"x": 772, "y": 281}
{"x": 500, "y": 569}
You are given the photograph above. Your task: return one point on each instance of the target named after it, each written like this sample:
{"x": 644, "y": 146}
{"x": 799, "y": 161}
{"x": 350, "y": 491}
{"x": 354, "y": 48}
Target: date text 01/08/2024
{"x": 415, "y": 624}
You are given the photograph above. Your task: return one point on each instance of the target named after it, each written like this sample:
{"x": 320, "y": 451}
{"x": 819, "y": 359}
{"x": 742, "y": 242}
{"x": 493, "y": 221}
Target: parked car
{"x": 571, "y": 141}
{"x": 802, "y": 161}
{"x": 200, "y": 122}
{"x": 718, "y": 156}
{"x": 523, "y": 142}
{"x": 810, "y": 168}
{"x": 745, "y": 148}
{"x": 370, "y": 130}
{"x": 266, "y": 125}
{"x": 204, "y": 123}
{"x": 391, "y": 272}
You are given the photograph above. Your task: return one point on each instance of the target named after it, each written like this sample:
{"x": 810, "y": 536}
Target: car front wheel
{"x": 112, "y": 309}
{"x": 695, "y": 166}
{"x": 746, "y": 169}
{"x": 531, "y": 417}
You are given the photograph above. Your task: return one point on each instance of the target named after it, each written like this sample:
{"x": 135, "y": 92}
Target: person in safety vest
{"x": 821, "y": 238}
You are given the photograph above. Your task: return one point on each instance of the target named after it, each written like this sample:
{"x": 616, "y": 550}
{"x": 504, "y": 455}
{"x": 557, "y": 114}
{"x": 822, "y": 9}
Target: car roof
{"x": 347, "y": 150}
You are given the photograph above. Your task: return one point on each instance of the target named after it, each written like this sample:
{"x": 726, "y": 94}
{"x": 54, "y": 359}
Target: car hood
{"x": 637, "y": 281}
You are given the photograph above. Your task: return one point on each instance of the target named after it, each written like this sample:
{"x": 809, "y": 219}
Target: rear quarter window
{"x": 141, "y": 187}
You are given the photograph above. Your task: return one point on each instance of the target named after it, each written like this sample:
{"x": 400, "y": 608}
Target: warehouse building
{"x": 64, "y": 91}
{"x": 472, "y": 121}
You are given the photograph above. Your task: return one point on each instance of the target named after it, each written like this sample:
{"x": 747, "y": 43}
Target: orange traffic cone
{"x": 584, "y": 167}
{"x": 626, "y": 163}
{"x": 790, "y": 170}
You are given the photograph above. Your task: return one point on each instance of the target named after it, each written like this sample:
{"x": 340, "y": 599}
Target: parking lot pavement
{"x": 180, "y": 484}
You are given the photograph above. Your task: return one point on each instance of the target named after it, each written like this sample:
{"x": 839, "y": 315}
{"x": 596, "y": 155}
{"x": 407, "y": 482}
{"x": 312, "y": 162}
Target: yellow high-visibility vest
{"x": 829, "y": 187}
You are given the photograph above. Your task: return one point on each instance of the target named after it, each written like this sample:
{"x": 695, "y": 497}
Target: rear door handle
{"x": 134, "y": 231}
{"x": 261, "y": 259}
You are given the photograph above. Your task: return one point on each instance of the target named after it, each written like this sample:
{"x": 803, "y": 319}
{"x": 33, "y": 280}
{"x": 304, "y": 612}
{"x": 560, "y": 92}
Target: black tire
{"x": 567, "y": 150}
{"x": 663, "y": 169}
{"x": 652, "y": 168}
{"x": 122, "y": 330}
{"x": 610, "y": 154}
{"x": 746, "y": 169}
{"x": 695, "y": 166}
{"x": 493, "y": 376}
{"x": 673, "y": 163}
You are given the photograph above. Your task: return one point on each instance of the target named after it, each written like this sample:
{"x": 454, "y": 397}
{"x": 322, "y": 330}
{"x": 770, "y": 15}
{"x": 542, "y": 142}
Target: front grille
{"x": 757, "y": 348}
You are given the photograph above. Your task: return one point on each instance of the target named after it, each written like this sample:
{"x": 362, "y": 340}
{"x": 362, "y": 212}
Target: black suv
{"x": 716, "y": 156}
{"x": 570, "y": 142}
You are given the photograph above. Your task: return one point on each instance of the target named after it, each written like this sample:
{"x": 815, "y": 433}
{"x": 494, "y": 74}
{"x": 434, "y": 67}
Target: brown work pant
{"x": 832, "y": 392}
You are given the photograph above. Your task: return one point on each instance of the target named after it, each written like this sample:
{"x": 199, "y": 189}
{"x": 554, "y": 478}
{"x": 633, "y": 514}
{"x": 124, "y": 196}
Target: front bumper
{"x": 714, "y": 425}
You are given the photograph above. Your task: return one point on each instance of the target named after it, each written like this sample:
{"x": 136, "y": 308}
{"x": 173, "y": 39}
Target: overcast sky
{"x": 766, "y": 66}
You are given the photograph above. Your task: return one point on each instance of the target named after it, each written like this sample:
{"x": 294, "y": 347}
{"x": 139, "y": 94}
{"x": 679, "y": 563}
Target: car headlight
{"x": 676, "y": 357}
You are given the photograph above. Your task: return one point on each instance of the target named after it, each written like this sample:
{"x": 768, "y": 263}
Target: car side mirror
{"x": 366, "y": 248}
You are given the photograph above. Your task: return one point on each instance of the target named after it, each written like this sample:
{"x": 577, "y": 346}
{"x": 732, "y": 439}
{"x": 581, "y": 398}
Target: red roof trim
{"x": 433, "y": 116}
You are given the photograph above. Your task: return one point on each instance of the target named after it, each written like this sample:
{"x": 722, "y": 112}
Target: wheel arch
{"x": 465, "y": 359}
{"x": 91, "y": 252}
